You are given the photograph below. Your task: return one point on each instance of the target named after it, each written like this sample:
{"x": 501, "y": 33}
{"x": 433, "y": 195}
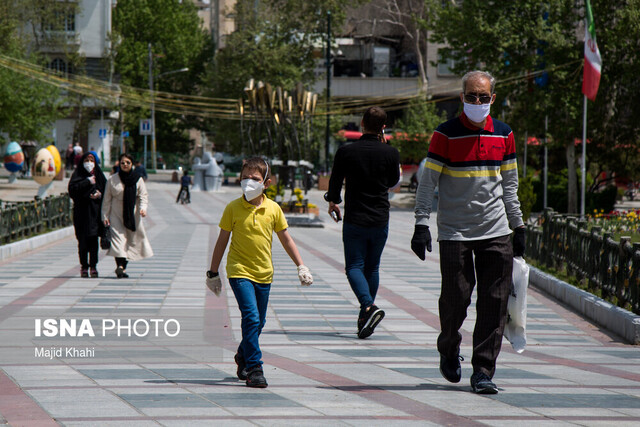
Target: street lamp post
{"x": 328, "y": 126}
{"x": 154, "y": 160}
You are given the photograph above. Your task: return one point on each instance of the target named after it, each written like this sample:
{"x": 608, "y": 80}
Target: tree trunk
{"x": 422, "y": 63}
{"x": 572, "y": 178}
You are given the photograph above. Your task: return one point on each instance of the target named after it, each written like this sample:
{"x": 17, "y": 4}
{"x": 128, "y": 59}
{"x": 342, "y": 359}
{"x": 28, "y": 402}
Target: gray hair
{"x": 478, "y": 73}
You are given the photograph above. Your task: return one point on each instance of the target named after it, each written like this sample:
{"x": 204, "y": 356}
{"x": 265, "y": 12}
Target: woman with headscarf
{"x": 125, "y": 202}
{"x": 86, "y": 189}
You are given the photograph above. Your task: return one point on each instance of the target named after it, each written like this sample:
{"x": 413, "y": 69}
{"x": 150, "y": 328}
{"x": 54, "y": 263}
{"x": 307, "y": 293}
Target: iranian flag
{"x": 592, "y": 60}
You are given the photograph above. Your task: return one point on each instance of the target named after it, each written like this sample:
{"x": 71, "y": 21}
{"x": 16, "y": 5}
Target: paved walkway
{"x": 319, "y": 373}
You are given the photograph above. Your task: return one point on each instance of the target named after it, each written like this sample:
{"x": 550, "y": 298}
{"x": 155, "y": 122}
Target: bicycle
{"x": 184, "y": 198}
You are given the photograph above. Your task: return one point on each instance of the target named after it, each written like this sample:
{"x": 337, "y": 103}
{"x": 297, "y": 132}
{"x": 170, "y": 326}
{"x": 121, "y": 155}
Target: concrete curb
{"x": 16, "y": 248}
{"x": 607, "y": 315}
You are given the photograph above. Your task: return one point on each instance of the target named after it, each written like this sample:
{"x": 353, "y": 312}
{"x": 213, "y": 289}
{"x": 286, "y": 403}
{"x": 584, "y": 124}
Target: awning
{"x": 354, "y": 134}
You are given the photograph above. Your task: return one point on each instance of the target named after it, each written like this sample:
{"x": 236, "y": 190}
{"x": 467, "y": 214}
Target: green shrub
{"x": 527, "y": 196}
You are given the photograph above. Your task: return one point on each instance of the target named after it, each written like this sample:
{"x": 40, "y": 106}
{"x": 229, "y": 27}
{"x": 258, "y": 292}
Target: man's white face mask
{"x": 477, "y": 112}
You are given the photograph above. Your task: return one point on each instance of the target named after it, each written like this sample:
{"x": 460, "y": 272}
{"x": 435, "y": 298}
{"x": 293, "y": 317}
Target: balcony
{"x": 369, "y": 86}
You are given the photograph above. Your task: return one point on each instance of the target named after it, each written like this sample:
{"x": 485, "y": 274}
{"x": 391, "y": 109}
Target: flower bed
{"x": 619, "y": 223}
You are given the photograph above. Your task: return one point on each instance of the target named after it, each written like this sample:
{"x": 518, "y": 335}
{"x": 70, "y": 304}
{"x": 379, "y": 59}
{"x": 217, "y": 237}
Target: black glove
{"x": 421, "y": 239}
{"x": 518, "y": 242}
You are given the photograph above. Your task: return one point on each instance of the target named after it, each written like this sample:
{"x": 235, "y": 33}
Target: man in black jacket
{"x": 369, "y": 168}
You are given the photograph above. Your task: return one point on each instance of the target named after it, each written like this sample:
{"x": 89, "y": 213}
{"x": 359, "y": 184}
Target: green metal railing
{"x": 562, "y": 241}
{"x": 19, "y": 220}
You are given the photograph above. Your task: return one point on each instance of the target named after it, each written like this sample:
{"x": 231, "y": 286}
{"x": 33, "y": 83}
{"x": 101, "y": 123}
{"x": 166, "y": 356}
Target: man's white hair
{"x": 475, "y": 74}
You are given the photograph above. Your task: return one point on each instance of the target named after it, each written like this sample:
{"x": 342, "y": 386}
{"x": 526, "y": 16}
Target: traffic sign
{"x": 102, "y": 133}
{"x": 125, "y": 134}
{"x": 145, "y": 127}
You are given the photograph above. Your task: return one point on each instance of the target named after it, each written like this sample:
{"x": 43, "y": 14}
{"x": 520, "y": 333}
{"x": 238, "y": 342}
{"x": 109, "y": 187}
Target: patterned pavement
{"x": 319, "y": 373}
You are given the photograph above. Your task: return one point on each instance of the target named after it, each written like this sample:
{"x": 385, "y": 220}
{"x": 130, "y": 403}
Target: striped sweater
{"x": 476, "y": 173}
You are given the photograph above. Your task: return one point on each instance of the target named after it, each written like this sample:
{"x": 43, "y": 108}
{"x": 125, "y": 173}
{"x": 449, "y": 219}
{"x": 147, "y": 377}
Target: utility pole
{"x": 154, "y": 160}
{"x": 328, "y": 129}
{"x": 546, "y": 162}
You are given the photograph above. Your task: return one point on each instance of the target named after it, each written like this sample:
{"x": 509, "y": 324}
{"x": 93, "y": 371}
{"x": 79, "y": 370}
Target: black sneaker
{"x": 242, "y": 368}
{"x": 120, "y": 272}
{"x": 482, "y": 384}
{"x": 371, "y": 320}
{"x": 255, "y": 378}
{"x": 84, "y": 272}
{"x": 361, "y": 320}
{"x": 450, "y": 368}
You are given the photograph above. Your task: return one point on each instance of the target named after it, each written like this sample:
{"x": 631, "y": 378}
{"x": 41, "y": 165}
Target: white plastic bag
{"x": 515, "y": 329}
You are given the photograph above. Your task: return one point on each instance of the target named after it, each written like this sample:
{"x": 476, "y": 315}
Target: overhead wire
{"x": 219, "y": 108}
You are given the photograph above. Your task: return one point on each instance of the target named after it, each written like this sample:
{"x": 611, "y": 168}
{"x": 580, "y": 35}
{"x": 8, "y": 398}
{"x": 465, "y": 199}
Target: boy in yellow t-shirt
{"x": 250, "y": 222}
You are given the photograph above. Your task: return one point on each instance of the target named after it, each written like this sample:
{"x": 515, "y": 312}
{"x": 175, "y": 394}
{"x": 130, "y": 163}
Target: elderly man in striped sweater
{"x": 472, "y": 160}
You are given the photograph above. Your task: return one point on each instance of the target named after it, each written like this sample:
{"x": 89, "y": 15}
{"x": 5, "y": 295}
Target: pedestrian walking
{"x": 141, "y": 170}
{"x": 77, "y": 154}
{"x": 370, "y": 168}
{"x": 86, "y": 189}
{"x": 472, "y": 160}
{"x": 125, "y": 203}
{"x": 250, "y": 221}
{"x": 68, "y": 157}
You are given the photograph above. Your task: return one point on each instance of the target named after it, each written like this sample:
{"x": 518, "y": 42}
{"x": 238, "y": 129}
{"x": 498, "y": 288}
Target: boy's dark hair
{"x": 256, "y": 164}
{"x": 374, "y": 119}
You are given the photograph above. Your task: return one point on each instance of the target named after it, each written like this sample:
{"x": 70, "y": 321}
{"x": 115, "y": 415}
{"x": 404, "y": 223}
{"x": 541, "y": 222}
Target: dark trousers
{"x": 88, "y": 248}
{"x": 363, "y": 248}
{"x": 122, "y": 262}
{"x": 489, "y": 261}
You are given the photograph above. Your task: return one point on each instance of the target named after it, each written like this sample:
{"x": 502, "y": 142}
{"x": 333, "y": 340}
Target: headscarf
{"x": 81, "y": 173}
{"x": 129, "y": 179}
{"x": 95, "y": 156}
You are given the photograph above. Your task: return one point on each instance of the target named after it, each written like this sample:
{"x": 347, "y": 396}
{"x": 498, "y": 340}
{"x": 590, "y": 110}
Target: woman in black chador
{"x": 86, "y": 188}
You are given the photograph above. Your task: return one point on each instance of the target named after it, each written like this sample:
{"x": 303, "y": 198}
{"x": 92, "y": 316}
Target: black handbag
{"x": 105, "y": 238}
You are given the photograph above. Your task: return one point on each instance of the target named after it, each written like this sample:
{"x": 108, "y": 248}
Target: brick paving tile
{"x": 161, "y": 346}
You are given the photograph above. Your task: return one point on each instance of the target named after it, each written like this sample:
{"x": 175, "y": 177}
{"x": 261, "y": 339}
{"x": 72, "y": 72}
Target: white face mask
{"x": 251, "y": 188}
{"x": 477, "y": 112}
{"x": 89, "y": 166}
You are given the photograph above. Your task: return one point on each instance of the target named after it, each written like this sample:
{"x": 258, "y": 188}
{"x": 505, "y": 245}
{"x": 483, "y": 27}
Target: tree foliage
{"x": 535, "y": 49}
{"x": 415, "y": 128}
{"x": 28, "y": 107}
{"x": 276, "y": 43}
{"x": 178, "y": 40}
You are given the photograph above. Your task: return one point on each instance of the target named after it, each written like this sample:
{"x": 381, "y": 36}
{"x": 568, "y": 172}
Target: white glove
{"x": 215, "y": 285}
{"x": 304, "y": 275}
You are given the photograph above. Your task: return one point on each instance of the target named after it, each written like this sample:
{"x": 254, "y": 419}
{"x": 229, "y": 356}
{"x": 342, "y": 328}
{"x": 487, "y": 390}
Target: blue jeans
{"x": 252, "y": 300}
{"x": 362, "y": 251}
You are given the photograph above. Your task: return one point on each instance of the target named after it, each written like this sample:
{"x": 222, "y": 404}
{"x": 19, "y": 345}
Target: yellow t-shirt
{"x": 251, "y": 230}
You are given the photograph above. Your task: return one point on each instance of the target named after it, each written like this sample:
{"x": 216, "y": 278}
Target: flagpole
{"x": 584, "y": 157}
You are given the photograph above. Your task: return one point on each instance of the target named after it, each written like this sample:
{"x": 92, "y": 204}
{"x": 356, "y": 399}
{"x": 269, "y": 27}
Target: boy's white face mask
{"x": 251, "y": 189}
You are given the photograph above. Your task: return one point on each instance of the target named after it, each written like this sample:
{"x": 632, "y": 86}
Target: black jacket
{"x": 369, "y": 168}
{"x": 86, "y": 211}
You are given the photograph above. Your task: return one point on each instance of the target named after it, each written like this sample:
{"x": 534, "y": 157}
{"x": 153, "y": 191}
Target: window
{"x": 61, "y": 20}
{"x": 445, "y": 66}
{"x": 60, "y": 66}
